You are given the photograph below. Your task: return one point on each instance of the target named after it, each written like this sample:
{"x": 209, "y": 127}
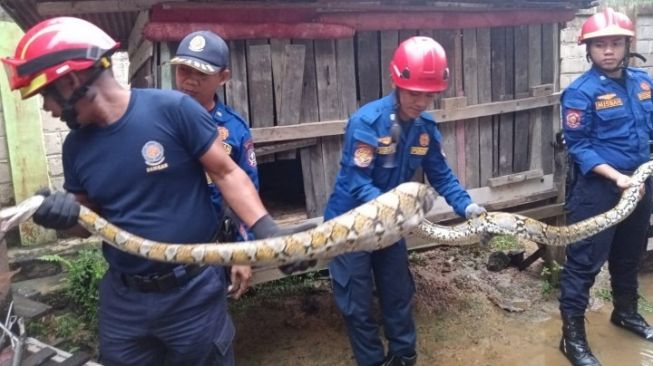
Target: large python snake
{"x": 371, "y": 226}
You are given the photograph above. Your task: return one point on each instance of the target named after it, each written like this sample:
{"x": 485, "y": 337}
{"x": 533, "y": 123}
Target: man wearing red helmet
{"x": 138, "y": 158}
{"x": 607, "y": 116}
{"x": 385, "y": 142}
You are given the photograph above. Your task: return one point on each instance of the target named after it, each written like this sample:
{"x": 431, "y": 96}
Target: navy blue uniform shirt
{"x": 372, "y": 165}
{"x": 143, "y": 172}
{"x": 605, "y": 123}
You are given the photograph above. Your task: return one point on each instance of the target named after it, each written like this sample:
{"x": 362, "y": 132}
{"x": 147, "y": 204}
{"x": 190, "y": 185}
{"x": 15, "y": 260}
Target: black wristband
{"x": 265, "y": 227}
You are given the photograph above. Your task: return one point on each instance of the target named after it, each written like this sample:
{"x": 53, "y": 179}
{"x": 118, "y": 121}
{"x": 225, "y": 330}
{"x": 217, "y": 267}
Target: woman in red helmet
{"x": 386, "y": 141}
{"x": 607, "y": 121}
{"x": 138, "y": 157}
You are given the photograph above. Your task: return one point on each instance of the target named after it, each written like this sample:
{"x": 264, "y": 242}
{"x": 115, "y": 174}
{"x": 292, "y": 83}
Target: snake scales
{"x": 373, "y": 225}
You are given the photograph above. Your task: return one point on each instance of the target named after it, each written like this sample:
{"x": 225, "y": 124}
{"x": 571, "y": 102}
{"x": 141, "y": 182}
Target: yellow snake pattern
{"x": 376, "y": 224}
{"x": 371, "y": 226}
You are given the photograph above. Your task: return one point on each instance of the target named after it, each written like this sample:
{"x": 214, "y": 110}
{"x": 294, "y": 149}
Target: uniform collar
{"x": 218, "y": 111}
{"x": 604, "y": 78}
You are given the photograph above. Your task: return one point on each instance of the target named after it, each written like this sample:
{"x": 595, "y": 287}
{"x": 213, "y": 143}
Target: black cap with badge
{"x": 204, "y": 51}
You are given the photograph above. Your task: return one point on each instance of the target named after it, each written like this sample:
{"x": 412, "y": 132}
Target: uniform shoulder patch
{"x": 573, "y": 118}
{"x": 363, "y": 155}
{"x": 251, "y": 153}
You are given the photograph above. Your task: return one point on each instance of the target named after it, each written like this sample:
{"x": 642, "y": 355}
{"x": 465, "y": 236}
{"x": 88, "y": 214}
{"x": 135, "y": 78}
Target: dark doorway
{"x": 282, "y": 189}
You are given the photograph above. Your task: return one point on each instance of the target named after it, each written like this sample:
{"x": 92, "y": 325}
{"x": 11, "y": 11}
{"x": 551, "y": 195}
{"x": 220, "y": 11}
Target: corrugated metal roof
{"x": 119, "y": 23}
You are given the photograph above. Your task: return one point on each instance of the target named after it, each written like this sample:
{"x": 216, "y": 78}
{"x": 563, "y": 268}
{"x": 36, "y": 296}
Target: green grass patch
{"x": 504, "y": 243}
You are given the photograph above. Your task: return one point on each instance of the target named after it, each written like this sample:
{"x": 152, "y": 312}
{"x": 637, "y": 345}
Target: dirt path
{"x": 459, "y": 312}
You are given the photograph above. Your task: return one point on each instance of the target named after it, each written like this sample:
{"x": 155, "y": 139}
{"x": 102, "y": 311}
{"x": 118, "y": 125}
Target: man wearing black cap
{"x": 202, "y": 66}
{"x": 202, "y": 61}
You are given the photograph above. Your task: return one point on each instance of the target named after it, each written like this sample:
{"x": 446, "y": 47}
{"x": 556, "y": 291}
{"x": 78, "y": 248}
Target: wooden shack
{"x": 301, "y": 67}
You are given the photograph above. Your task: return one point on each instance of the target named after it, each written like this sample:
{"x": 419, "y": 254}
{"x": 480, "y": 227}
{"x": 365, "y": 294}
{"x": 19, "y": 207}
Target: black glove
{"x": 58, "y": 211}
{"x": 265, "y": 227}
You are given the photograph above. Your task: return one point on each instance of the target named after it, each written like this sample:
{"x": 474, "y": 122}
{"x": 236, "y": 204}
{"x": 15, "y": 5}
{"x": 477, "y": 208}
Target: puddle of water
{"x": 481, "y": 335}
{"x": 519, "y": 341}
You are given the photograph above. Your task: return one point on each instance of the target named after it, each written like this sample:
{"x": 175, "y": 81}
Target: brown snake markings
{"x": 371, "y": 226}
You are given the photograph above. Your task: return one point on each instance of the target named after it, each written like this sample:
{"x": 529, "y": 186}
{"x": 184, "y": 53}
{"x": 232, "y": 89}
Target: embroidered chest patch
{"x": 223, "y": 132}
{"x": 572, "y": 118}
{"x": 609, "y": 100}
{"x": 424, "y": 139}
{"x": 154, "y": 155}
{"x": 418, "y": 150}
{"x": 363, "y": 155}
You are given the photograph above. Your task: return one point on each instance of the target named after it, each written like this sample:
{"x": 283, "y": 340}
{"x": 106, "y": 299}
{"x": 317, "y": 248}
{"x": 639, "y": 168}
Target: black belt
{"x": 177, "y": 277}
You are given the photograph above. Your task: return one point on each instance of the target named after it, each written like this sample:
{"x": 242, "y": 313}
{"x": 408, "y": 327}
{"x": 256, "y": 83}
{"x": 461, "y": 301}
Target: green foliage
{"x": 416, "y": 258}
{"x": 604, "y": 294}
{"x": 68, "y": 330}
{"x": 504, "y": 243}
{"x": 82, "y": 281}
{"x": 643, "y": 306}
{"x": 550, "y": 278}
{"x": 305, "y": 283}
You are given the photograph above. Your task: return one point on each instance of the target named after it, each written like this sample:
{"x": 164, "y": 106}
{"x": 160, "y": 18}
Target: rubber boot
{"x": 574, "y": 342}
{"x": 392, "y": 360}
{"x": 625, "y": 316}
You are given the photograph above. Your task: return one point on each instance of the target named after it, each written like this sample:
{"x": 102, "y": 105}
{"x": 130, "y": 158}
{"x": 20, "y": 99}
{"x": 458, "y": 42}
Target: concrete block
{"x": 569, "y": 35}
{"x": 120, "y": 61}
{"x": 55, "y": 167}
{"x": 4, "y": 154}
{"x": 644, "y": 32}
{"x": 644, "y": 47}
{"x": 51, "y": 124}
{"x": 56, "y": 183}
{"x": 53, "y": 142}
{"x": 572, "y": 51}
{"x": 5, "y": 172}
{"x": 566, "y": 79}
{"x": 574, "y": 65}
{"x": 644, "y": 21}
{"x": 6, "y": 195}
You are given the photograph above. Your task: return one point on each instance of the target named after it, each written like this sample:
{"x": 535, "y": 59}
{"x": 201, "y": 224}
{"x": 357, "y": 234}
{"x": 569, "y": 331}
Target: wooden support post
{"x": 557, "y": 254}
{"x": 143, "y": 53}
{"x": 26, "y": 150}
{"x": 136, "y": 34}
{"x": 166, "y": 76}
{"x": 472, "y": 142}
{"x": 289, "y": 96}
{"x": 313, "y": 189}
{"x": 483, "y": 57}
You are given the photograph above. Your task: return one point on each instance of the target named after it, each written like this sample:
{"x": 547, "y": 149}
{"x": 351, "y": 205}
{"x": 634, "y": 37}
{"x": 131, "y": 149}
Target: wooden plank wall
{"x": 20, "y": 121}
{"x": 278, "y": 82}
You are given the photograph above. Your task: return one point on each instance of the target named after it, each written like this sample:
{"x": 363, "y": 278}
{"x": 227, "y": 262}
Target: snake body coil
{"x": 371, "y": 226}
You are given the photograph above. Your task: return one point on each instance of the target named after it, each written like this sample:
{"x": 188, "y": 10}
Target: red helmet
{"x": 605, "y": 24}
{"x": 52, "y": 49}
{"x": 420, "y": 64}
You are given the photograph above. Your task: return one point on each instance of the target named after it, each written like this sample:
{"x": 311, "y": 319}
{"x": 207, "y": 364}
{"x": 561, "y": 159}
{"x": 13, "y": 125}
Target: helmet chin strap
{"x": 68, "y": 111}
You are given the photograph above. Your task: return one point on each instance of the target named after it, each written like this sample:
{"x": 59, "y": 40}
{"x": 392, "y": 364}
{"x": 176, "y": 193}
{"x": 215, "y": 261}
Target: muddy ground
{"x": 459, "y": 305}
